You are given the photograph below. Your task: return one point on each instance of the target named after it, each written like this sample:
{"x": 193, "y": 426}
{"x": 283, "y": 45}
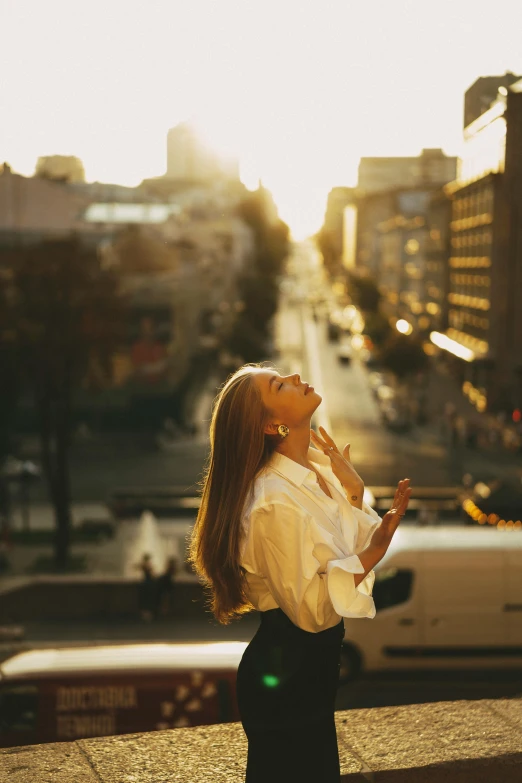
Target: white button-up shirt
{"x": 300, "y": 546}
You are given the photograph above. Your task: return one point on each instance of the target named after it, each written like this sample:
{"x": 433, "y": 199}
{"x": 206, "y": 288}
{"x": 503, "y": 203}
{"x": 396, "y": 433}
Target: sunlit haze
{"x": 299, "y": 90}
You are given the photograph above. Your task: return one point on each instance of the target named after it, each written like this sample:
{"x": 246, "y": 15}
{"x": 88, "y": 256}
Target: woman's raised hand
{"x": 341, "y": 465}
{"x": 383, "y": 534}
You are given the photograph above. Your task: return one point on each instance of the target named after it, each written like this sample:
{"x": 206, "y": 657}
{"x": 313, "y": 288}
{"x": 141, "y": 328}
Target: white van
{"x": 446, "y": 598}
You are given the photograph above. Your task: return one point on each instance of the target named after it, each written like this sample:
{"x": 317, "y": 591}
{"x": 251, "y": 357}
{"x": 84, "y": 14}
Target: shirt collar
{"x": 293, "y": 471}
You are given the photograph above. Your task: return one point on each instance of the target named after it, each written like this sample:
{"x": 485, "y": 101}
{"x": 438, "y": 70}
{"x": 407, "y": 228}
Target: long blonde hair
{"x": 239, "y": 450}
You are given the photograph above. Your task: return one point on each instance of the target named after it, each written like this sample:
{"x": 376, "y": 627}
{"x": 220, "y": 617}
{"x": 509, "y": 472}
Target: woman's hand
{"x": 381, "y": 539}
{"x": 383, "y": 534}
{"x": 341, "y": 466}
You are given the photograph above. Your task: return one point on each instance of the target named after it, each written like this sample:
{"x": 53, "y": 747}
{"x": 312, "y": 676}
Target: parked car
{"x": 447, "y": 598}
{"x": 376, "y": 379}
{"x": 345, "y": 353}
{"x": 385, "y": 393}
{"x": 62, "y": 694}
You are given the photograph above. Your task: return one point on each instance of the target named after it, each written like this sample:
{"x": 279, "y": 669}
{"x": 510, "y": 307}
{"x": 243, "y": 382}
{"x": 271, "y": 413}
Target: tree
{"x": 9, "y": 391}
{"x": 60, "y": 168}
{"x": 403, "y": 355}
{"x": 377, "y": 327}
{"x": 364, "y": 292}
{"x": 64, "y": 313}
{"x": 258, "y": 287}
{"x": 326, "y": 244}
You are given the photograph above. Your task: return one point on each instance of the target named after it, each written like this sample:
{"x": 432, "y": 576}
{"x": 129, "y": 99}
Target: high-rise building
{"x": 335, "y": 224}
{"x": 483, "y": 92}
{"x": 189, "y": 159}
{"x": 485, "y": 265}
{"x": 431, "y": 168}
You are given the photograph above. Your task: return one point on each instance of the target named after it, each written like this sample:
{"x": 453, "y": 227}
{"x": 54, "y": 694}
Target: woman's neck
{"x": 296, "y": 445}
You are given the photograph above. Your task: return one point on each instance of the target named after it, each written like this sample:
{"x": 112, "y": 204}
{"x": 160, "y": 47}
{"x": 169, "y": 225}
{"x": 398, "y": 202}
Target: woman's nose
{"x": 297, "y": 378}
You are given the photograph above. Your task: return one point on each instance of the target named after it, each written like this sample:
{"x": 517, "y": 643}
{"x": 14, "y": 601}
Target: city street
{"x": 349, "y": 407}
{"x": 351, "y": 413}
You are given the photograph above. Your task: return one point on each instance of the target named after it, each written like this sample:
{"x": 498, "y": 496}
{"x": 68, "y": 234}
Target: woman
{"x": 282, "y": 528}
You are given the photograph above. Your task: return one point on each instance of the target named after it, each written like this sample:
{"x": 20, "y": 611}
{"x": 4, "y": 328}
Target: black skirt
{"x": 286, "y": 687}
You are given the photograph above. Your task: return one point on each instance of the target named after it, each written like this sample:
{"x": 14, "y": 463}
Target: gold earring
{"x": 283, "y": 430}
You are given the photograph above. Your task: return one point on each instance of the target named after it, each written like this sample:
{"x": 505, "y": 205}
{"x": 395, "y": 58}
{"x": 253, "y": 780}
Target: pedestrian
{"x": 147, "y": 598}
{"x": 282, "y": 528}
{"x": 4, "y": 558}
{"x": 165, "y": 586}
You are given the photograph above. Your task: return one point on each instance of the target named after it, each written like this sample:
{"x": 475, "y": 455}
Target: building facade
{"x": 437, "y": 261}
{"x": 189, "y": 159}
{"x": 485, "y": 283}
{"x": 338, "y": 199}
{"x": 429, "y": 169}
{"x": 483, "y": 92}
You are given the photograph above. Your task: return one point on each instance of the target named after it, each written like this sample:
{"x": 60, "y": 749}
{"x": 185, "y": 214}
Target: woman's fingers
{"x": 401, "y": 498}
{"x": 317, "y": 440}
{"x": 404, "y": 498}
{"x": 397, "y": 496}
{"x": 329, "y": 441}
{"x": 402, "y": 485}
{"x": 322, "y": 444}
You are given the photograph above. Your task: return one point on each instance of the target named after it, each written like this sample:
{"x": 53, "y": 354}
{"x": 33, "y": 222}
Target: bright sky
{"x": 301, "y": 89}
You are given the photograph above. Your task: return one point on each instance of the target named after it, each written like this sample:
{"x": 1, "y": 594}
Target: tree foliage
{"x": 364, "y": 292}
{"x": 377, "y": 327}
{"x": 258, "y": 287}
{"x": 326, "y": 244}
{"x": 403, "y": 355}
{"x": 64, "y": 313}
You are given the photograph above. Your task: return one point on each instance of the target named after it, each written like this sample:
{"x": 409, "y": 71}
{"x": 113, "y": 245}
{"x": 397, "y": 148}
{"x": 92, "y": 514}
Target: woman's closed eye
{"x": 280, "y": 386}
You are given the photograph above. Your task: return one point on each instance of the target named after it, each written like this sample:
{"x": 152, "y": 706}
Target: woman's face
{"x": 290, "y": 401}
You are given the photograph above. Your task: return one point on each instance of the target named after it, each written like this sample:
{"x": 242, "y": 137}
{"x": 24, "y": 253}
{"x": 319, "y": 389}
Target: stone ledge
{"x": 453, "y": 742}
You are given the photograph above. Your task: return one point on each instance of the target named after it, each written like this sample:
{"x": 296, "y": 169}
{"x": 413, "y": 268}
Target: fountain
{"x": 143, "y": 537}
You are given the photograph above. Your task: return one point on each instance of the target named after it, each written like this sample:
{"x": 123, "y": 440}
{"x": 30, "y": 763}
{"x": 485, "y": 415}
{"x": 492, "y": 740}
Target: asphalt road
{"x": 381, "y": 457}
{"x": 369, "y": 690}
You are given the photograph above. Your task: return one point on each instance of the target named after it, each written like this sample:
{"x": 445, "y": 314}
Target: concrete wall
{"x": 445, "y": 742}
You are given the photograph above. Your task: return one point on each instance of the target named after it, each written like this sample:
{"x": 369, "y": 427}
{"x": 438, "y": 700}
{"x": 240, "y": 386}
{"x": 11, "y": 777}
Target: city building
{"x": 401, "y": 244}
{"x": 189, "y": 159}
{"x": 178, "y": 263}
{"x": 436, "y": 280}
{"x": 483, "y": 92}
{"x": 338, "y": 199}
{"x": 431, "y": 168}
{"x": 31, "y": 207}
{"x": 485, "y": 266}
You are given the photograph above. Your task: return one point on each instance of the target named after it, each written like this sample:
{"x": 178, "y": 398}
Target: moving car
{"x": 447, "y": 598}
{"x": 48, "y": 695}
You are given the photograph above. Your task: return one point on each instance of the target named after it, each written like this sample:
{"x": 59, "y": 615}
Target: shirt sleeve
{"x": 300, "y": 563}
{"x": 367, "y": 521}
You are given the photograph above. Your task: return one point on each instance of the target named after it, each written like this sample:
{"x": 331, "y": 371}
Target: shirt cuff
{"x": 367, "y": 521}
{"x": 347, "y": 599}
